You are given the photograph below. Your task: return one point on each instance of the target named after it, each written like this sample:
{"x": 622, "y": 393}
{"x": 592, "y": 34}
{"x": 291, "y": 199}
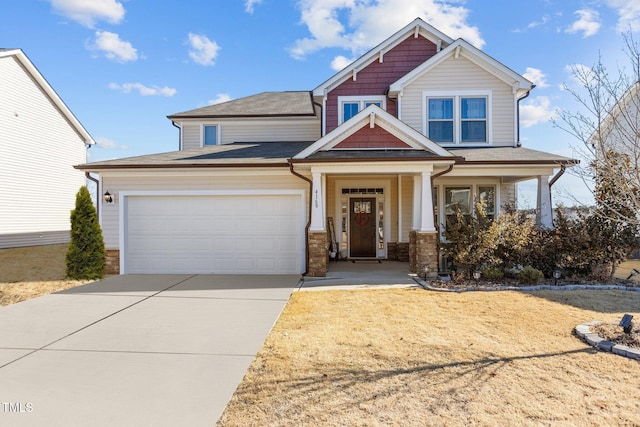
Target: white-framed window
{"x": 349, "y": 106}
{"x": 464, "y": 197}
{"x": 458, "y": 117}
{"x": 210, "y": 135}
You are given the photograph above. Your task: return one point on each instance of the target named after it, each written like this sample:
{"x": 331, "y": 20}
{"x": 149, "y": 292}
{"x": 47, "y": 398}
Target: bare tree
{"x": 607, "y": 123}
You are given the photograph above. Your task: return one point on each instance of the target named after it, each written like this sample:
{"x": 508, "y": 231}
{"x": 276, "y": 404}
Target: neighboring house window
{"x": 352, "y": 105}
{"x": 210, "y": 135}
{"x": 457, "y": 119}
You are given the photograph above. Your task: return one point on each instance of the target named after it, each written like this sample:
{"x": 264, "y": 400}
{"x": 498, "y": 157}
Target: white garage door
{"x": 213, "y": 234}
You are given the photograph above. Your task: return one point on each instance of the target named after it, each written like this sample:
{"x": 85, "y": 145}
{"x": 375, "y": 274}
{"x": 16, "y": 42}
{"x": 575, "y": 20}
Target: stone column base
{"x": 423, "y": 251}
{"x": 113, "y": 261}
{"x": 318, "y": 254}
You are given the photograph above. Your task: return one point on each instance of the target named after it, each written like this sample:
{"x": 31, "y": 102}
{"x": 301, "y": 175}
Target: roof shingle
{"x": 265, "y": 104}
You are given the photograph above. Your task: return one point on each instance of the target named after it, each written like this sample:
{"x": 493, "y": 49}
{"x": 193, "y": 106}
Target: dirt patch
{"x": 31, "y": 272}
{"x": 614, "y": 333}
{"x": 414, "y": 357}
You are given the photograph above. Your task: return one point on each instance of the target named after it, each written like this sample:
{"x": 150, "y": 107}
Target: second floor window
{"x": 210, "y": 135}
{"x": 457, "y": 119}
{"x": 351, "y": 105}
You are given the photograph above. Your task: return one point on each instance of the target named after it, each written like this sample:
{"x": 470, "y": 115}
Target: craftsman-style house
{"x": 366, "y": 165}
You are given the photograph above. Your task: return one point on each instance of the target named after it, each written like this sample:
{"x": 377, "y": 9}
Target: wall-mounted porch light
{"x": 108, "y": 198}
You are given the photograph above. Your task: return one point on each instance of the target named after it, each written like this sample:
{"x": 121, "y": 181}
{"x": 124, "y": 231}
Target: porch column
{"x": 544, "y": 216}
{"x": 423, "y": 238}
{"x": 317, "y": 204}
{"x": 423, "y": 219}
{"x": 426, "y": 214}
{"x": 317, "y": 244}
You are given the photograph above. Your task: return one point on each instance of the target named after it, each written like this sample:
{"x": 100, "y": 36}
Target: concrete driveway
{"x": 161, "y": 350}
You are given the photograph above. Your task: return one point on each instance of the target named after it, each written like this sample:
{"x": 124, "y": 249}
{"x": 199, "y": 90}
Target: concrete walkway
{"x": 362, "y": 275}
{"x": 161, "y": 350}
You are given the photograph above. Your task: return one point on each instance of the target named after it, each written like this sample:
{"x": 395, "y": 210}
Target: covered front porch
{"x": 399, "y": 215}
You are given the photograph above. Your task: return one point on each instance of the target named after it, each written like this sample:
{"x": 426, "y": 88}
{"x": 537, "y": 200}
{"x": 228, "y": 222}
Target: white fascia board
{"x": 193, "y": 172}
{"x": 427, "y": 31}
{"x": 367, "y": 168}
{"x": 384, "y": 120}
{"x": 50, "y": 92}
{"x": 502, "y": 171}
{"x": 471, "y": 53}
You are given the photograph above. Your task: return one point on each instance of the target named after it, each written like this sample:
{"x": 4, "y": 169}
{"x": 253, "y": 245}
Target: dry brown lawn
{"x": 413, "y": 358}
{"x": 31, "y": 272}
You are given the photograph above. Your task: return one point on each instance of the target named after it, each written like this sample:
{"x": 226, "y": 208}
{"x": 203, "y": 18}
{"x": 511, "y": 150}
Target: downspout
{"x": 90, "y": 178}
{"x": 439, "y": 174}
{"x": 308, "y": 226}
{"x": 557, "y": 176}
{"x": 179, "y": 134}
{"x": 519, "y": 143}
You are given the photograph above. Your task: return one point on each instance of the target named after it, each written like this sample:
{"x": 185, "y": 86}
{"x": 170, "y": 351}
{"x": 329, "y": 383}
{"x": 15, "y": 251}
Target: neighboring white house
{"x": 40, "y": 142}
{"x": 370, "y": 163}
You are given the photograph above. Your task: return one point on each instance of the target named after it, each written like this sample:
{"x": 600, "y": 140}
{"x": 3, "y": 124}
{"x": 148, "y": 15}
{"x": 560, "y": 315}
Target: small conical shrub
{"x": 86, "y": 255}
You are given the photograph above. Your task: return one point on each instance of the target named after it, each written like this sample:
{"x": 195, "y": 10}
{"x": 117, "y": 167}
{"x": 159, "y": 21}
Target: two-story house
{"x": 368, "y": 164}
{"x": 40, "y": 142}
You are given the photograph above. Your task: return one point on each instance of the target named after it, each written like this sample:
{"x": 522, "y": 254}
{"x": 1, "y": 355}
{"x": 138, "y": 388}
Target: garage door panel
{"x": 214, "y": 234}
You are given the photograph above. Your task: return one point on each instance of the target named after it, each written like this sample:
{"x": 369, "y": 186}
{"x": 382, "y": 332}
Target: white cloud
{"x": 579, "y": 74}
{"x": 628, "y": 13}
{"x": 536, "y": 76}
{"x": 340, "y": 62}
{"x": 250, "y": 4}
{"x": 203, "y": 51}
{"x": 142, "y": 89}
{"x": 588, "y": 23}
{"x": 358, "y": 26}
{"x": 109, "y": 144}
{"x": 113, "y": 48}
{"x": 219, "y": 99}
{"x": 537, "y": 110}
{"x": 88, "y": 12}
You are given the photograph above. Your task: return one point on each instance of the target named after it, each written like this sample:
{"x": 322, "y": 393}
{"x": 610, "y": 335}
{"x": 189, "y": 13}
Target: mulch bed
{"x": 508, "y": 283}
{"x": 615, "y": 334}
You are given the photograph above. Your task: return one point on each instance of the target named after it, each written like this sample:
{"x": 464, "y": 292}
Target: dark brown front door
{"x": 362, "y": 226}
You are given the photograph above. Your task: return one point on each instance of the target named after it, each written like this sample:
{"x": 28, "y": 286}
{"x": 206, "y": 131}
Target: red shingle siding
{"x": 372, "y": 138}
{"x": 376, "y": 77}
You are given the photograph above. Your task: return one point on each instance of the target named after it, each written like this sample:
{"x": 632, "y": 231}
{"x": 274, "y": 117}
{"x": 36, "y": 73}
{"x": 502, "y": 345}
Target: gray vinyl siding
{"x": 462, "y": 75}
{"x": 177, "y": 181}
{"x": 42, "y": 238}
{"x": 38, "y": 148}
{"x": 259, "y": 130}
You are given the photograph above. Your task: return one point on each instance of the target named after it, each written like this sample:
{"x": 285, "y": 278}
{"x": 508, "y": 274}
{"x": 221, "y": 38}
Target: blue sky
{"x": 122, "y": 66}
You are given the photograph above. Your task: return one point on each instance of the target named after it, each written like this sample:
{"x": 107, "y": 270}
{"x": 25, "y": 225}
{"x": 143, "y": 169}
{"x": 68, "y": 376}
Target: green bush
{"x": 86, "y": 256}
{"x": 530, "y": 275}
{"x": 492, "y": 273}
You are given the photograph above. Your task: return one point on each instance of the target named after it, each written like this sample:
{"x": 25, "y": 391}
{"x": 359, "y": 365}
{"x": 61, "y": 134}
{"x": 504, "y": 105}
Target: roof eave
{"x": 89, "y": 167}
{"x": 239, "y": 116}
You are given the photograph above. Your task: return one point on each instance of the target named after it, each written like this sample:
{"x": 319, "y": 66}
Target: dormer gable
{"x": 417, "y": 28}
{"x": 376, "y": 130}
{"x": 462, "y": 48}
